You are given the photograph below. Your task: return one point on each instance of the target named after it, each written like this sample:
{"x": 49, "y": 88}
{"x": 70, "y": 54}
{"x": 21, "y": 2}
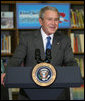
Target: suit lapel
{"x": 39, "y": 43}
{"x": 55, "y": 46}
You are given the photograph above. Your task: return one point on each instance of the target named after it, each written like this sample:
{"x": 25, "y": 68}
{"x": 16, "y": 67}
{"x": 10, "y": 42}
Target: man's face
{"x": 50, "y": 22}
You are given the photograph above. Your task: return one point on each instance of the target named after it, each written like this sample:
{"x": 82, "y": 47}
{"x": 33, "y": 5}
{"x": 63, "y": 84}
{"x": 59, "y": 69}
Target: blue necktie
{"x": 48, "y": 45}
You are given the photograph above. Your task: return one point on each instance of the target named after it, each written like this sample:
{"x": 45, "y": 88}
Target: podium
{"x": 21, "y": 77}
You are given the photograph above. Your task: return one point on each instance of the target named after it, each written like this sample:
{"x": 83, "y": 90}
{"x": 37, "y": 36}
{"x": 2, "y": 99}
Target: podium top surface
{"x": 21, "y": 77}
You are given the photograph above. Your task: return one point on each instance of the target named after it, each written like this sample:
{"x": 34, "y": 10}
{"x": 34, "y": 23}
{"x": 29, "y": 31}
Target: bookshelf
{"x": 10, "y": 6}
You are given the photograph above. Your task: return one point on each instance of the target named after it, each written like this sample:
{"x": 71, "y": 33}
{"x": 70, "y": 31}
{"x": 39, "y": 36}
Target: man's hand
{"x": 2, "y": 78}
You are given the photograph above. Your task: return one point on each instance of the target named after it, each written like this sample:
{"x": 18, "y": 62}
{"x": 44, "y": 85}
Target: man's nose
{"x": 53, "y": 21}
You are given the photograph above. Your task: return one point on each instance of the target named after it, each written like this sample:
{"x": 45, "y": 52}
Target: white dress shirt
{"x": 44, "y": 37}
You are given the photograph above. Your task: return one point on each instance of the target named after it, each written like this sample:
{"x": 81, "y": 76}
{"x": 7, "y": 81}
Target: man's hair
{"x": 42, "y": 11}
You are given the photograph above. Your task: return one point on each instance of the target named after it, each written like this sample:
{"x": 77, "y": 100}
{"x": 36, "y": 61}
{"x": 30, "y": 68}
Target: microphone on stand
{"x": 37, "y": 55}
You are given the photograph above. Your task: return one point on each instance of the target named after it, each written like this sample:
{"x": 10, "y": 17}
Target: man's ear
{"x": 40, "y": 21}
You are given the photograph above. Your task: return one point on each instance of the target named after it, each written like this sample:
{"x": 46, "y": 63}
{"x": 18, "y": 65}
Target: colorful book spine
{"x": 77, "y": 42}
{"x": 5, "y": 43}
{"x": 77, "y": 18}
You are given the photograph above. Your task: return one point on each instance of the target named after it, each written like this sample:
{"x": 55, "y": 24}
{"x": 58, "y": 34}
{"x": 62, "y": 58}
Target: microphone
{"x": 37, "y": 55}
{"x": 48, "y": 55}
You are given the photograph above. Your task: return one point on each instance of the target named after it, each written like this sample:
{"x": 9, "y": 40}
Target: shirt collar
{"x": 44, "y": 35}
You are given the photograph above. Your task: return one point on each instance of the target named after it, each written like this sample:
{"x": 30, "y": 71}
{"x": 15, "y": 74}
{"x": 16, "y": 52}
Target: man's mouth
{"x": 53, "y": 28}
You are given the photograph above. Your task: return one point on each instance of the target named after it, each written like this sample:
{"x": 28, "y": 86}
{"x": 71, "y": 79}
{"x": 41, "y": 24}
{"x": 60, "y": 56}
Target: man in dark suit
{"x": 60, "y": 48}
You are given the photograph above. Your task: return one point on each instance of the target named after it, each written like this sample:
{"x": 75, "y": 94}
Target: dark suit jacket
{"x": 61, "y": 52}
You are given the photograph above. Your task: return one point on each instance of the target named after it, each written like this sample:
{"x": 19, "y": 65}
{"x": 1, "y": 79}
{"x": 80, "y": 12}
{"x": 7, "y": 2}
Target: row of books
{"x": 80, "y": 62}
{"x": 77, "y": 18}
{"x": 5, "y": 43}
{"x": 77, "y": 93}
{"x": 77, "y": 42}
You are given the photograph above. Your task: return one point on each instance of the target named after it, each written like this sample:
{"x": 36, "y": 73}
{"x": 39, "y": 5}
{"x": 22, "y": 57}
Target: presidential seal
{"x": 44, "y": 74}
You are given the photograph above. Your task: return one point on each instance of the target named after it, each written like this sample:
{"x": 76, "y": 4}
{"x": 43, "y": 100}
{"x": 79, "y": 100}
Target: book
{"x": 79, "y": 45}
{"x": 82, "y": 42}
{"x": 80, "y": 62}
{"x": 5, "y": 43}
{"x": 82, "y": 66}
{"x": 72, "y": 41}
{"x": 77, "y": 93}
{"x": 7, "y": 20}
